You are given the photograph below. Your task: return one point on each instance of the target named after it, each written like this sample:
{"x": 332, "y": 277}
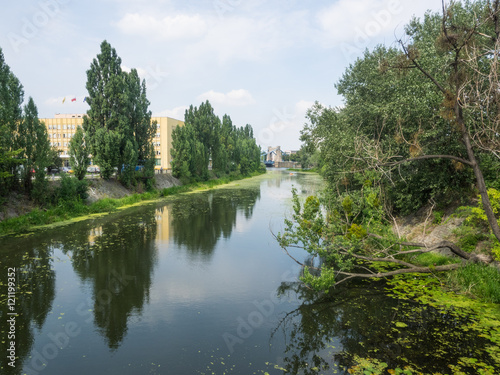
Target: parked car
{"x": 66, "y": 170}
{"x": 93, "y": 169}
{"x": 52, "y": 170}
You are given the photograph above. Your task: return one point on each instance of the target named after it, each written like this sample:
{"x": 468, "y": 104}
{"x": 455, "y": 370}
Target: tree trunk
{"x": 481, "y": 186}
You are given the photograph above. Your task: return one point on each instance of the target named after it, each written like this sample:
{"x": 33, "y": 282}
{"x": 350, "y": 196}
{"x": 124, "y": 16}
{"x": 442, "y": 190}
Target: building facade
{"x": 62, "y": 128}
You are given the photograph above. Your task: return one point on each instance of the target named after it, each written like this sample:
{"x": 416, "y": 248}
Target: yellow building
{"x": 62, "y": 127}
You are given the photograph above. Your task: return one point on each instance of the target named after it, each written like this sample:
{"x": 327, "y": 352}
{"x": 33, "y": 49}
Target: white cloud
{"x": 302, "y": 106}
{"x": 209, "y": 37}
{"x": 177, "y": 113}
{"x": 239, "y": 97}
{"x": 179, "y": 26}
{"x": 359, "y": 20}
{"x": 362, "y": 22}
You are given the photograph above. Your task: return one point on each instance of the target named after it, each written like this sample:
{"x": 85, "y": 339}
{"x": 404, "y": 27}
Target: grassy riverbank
{"x": 74, "y": 209}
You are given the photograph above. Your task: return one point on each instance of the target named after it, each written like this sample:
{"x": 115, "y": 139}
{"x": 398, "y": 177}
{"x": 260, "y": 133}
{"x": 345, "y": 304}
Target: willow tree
{"x": 428, "y": 109}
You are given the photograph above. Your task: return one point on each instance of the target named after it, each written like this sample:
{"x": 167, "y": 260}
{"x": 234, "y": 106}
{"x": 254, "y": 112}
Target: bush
{"x": 71, "y": 189}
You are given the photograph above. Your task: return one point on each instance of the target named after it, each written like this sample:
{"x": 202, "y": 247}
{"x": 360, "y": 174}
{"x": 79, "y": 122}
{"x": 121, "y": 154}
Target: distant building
{"x": 62, "y": 127}
{"x": 274, "y": 154}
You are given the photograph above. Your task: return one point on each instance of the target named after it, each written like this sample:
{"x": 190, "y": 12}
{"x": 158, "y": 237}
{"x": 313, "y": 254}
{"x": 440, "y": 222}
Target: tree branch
{"x": 351, "y": 275}
{"x": 425, "y": 157}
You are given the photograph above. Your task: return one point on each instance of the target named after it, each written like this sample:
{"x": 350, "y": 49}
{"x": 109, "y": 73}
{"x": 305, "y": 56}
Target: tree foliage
{"x": 419, "y": 124}
{"x": 24, "y": 142}
{"x": 118, "y": 124}
{"x": 32, "y": 138}
{"x": 11, "y": 99}
{"x": 205, "y": 140}
{"x": 79, "y": 154}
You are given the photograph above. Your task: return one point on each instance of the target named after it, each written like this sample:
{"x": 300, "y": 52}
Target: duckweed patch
{"x": 470, "y": 323}
{"x": 66, "y": 211}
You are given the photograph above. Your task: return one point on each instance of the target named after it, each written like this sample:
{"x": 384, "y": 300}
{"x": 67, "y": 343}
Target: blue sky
{"x": 261, "y": 62}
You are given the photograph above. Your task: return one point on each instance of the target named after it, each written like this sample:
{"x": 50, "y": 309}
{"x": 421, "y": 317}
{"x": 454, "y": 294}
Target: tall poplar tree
{"x": 32, "y": 138}
{"x": 140, "y": 119}
{"x": 204, "y": 137}
{"x": 118, "y": 126}
{"x": 79, "y": 154}
{"x": 11, "y": 99}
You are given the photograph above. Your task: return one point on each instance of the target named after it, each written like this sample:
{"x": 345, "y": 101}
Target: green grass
{"x": 479, "y": 280}
{"x": 432, "y": 259}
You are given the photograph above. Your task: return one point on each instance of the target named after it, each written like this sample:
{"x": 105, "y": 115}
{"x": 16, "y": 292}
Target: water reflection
{"x": 116, "y": 259}
{"x": 362, "y": 320}
{"x": 198, "y": 221}
{"x": 35, "y": 284}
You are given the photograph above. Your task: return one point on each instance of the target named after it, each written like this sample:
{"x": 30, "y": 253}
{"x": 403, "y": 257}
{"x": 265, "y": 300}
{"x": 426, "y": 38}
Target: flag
{"x": 64, "y": 100}
{"x": 73, "y": 100}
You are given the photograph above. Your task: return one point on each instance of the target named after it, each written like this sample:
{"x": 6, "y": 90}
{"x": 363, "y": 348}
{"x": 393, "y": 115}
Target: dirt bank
{"x": 18, "y": 204}
{"x": 423, "y": 228}
{"x": 99, "y": 189}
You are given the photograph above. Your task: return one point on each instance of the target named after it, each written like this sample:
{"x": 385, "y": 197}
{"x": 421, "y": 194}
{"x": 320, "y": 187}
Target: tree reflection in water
{"x": 117, "y": 259}
{"x": 327, "y": 332}
{"x": 200, "y": 220}
{"x": 35, "y": 291}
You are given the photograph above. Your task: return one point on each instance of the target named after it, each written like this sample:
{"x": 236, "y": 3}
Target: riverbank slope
{"x": 17, "y": 204}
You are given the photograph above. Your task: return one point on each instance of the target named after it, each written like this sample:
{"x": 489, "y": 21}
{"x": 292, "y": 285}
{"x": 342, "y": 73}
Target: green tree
{"x": 11, "y": 99}
{"x": 118, "y": 126}
{"x": 205, "y": 138}
{"x": 140, "y": 119}
{"x": 32, "y": 138}
{"x": 181, "y": 152}
{"x": 79, "y": 154}
{"x": 104, "y": 122}
{"x": 417, "y": 124}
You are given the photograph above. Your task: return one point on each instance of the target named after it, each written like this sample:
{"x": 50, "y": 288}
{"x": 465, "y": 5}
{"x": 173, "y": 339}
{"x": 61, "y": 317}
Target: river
{"x": 196, "y": 284}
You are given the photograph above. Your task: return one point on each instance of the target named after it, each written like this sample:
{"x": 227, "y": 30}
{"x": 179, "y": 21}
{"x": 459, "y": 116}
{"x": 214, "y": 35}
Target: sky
{"x": 263, "y": 63}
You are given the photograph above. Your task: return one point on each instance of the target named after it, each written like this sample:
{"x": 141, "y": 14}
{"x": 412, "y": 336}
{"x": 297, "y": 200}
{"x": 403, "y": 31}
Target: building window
{"x": 157, "y": 135}
{"x": 158, "y": 152}
{"x": 64, "y": 127}
{"x": 73, "y": 127}
{"x": 157, "y": 161}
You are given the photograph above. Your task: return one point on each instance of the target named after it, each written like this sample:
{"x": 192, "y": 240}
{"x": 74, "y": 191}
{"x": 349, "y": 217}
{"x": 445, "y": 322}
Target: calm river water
{"x": 195, "y": 284}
